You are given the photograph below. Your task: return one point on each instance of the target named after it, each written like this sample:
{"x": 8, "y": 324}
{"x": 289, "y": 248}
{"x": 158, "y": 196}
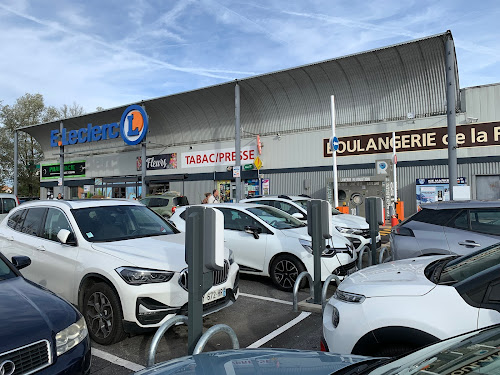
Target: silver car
{"x": 455, "y": 227}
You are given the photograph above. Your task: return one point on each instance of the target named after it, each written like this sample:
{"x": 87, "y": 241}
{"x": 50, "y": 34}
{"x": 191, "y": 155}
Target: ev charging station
{"x": 204, "y": 254}
{"x": 319, "y": 227}
{"x": 375, "y": 217}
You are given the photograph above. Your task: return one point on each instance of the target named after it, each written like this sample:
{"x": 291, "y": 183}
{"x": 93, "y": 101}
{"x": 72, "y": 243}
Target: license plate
{"x": 214, "y": 295}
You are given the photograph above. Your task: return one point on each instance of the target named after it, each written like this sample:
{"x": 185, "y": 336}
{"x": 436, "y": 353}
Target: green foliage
{"x": 28, "y": 110}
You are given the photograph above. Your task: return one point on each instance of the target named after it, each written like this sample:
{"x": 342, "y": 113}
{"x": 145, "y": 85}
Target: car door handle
{"x": 40, "y": 248}
{"x": 469, "y": 243}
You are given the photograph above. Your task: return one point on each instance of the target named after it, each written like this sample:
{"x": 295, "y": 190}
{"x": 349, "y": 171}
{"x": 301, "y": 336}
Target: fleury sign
{"x": 226, "y": 156}
{"x": 470, "y": 135}
{"x": 133, "y": 127}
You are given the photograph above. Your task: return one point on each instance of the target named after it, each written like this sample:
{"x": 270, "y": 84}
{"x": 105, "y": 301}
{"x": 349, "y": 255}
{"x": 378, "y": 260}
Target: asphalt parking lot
{"x": 262, "y": 317}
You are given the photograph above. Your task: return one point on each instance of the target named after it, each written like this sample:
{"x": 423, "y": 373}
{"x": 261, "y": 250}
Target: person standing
{"x": 214, "y": 198}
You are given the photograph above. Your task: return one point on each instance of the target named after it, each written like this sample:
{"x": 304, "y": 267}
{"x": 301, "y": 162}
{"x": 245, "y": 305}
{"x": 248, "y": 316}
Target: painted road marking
{"x": 272, "y": 335}
{"x": 266, "y": 298}
{"x": 117, "y": 360}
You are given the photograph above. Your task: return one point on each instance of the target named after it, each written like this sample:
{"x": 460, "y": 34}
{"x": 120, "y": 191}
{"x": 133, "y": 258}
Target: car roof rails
{"x": 284, "y": 197}
{"x": 304, "y": 195}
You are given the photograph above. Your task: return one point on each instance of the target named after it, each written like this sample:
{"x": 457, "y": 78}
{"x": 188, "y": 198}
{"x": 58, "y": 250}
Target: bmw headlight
{"x": 343, "y": 230}
{"x": 306, "y": 245}
{"x": 70, "y": 337}
{"x": 348, "y": 297}
{"x": 139, "y": 276}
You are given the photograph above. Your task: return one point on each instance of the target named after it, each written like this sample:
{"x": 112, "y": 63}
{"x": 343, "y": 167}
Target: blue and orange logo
{"x": 133, "y": 127}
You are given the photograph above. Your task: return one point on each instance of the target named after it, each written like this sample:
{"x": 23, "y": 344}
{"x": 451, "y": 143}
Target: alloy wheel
{"x": 99, "y": 315}
{"x": 286, "y": 273}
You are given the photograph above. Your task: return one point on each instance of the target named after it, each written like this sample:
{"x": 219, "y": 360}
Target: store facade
{"x": 285, "y": 120}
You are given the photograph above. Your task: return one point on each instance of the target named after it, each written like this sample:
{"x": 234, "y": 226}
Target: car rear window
{"x": 436, "y": 217}
{"x": 181, "y": 201}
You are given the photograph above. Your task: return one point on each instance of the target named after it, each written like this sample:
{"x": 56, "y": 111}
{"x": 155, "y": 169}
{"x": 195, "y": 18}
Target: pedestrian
{"x": 214, "y": 198}
{"x": 59, "y": 196}
{"x": 205, "y": 200}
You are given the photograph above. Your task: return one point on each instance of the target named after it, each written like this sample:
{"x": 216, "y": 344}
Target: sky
{"x": 111, "y": 53}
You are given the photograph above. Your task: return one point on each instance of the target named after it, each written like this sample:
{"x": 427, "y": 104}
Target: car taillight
{"x": 403, "y": 231}
{"x": 173, "y": 209}
{"x": 323, "y": 346}
{"x": 18, "y": 203}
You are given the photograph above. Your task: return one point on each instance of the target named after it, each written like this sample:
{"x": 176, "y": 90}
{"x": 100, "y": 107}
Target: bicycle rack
{"x": 360, "y": 258}
{"x": 325, "y": 288}
{"x": 382, "y": 253}
{"x": 212, "y": 331}
{"x": 296, "y": 288}
{"x": 159, "y": 334}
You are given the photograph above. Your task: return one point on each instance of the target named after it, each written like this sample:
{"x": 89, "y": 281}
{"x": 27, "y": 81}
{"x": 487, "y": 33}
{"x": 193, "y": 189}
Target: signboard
{"x": 73, "y": 169}
{"x": 132, "y": 127}
{"x": 237, "y": 171}
{"x": 155, "y": 162}
{"x": 259, "y": 145}
{"x": 334, "y": 143}
{"x": 226, "y": 156}
{"x": 265, "y": 186}
{"x": 429, "y": 190}
{"x": 248, "y": 167}
{"x": 468, "y": 135}
{"x": 258, "y": 163}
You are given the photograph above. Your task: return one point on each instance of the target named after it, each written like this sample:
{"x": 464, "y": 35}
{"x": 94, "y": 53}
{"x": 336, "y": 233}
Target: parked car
{"x": 269, "y": 242}
{"x": 395, "y": 307}
{"x": 39, "y": 332}
{"x": 471, "y": 353}
{"x": 166, "y": 203}
{"x": 118, "y": 261}
{"x": 7, "y": 203}
{"x": 452, "y": 227}
{"x": 354, "y": 228}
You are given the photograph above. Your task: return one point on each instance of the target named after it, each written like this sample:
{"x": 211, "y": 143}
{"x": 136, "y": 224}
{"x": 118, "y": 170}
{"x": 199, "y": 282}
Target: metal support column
{"x": 143, "y": 170}
{"x": 16, "y": 160}
{"x": 61, "y": 158}
{"x": 318, "y": 243}
{"x": 451, "y": 91}
{"x": 237, "y": 138}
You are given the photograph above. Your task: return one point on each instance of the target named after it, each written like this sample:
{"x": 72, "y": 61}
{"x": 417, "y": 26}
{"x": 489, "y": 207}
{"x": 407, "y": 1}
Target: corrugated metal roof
{"x": 375, "y": 86}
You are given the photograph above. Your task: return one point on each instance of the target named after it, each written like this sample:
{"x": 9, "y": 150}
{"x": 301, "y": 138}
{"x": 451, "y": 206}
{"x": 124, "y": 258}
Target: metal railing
{"x": 325, "y": 288}
{"x": 381, "y": 259}
{"x": 212, "y": 331}
{"x": 159, "y": 334}
{"x": 296, "y": 287}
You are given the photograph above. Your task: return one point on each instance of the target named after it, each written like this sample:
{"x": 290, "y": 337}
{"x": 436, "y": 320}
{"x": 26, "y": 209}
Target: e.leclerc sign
{"x": 132, "y": 128}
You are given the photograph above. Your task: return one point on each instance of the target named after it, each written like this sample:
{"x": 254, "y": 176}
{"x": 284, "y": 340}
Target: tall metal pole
{"x": 450, "y": 111}
{"x": 237, "y": 138}
{"x": 394, "y": 162}
{"x": 16, "y": 161}
{"x": 61, "y": 158}
{"x": 334, "y": 157}
{"x": 143, "y": 170}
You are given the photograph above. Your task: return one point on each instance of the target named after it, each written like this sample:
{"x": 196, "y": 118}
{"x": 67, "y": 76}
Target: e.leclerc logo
{"x": 132, "y": 128}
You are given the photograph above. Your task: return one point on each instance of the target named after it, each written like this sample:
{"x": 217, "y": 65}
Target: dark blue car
{"x": 39, "y": 332}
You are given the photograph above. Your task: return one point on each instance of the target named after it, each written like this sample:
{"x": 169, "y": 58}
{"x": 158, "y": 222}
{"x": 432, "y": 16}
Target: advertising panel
{"x": 431, "y": 190}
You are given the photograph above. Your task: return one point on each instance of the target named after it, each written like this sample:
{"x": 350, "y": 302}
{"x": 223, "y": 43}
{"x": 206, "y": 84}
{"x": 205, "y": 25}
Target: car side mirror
{"x": 21, "y": 261}
{"x": 298, "y": 215}
{"x": 254, "y": 231}
{"x": 66, "y": 237}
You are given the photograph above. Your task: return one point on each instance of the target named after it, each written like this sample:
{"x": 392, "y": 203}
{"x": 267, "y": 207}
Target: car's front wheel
{"x": 284, "y": 271}
{"x": 103, "y": 314}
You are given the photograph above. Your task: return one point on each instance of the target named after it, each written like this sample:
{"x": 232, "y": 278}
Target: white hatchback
{"x": 119, "y": 262}
{"x": 354, "y": 228}
{"x": 269, "y": 242}
{"x": 395, "y": 307}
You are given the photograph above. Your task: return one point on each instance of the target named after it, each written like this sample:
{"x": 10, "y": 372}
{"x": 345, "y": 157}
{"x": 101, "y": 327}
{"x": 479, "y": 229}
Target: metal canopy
{"x": 376, "y": 86}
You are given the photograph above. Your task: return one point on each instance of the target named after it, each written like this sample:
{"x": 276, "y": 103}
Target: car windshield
{"x": 472, "y": 353}
{"x": 303, "y": 204}
{"x": 114, "y": 223}
{"x": 463, "y": 267}
{"x": 276, "y": 218}
{"x": 5, "y": 271}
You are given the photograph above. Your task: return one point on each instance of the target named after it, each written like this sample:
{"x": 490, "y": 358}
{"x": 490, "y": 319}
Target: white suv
{"x": 269, "y": 242}
{"x": 354, "y": 228}
{"x": 395, "y": 307}
{"x": 119, "y": 262}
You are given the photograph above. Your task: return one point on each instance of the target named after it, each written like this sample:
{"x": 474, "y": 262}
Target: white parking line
{"x": 272, "y": 335}
{"x": 117, "y": 360}
{"x": 266, "y": 298}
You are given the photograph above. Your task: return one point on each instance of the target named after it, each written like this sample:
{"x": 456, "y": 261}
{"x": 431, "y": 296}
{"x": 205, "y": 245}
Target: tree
{"x": 29, "y": 109}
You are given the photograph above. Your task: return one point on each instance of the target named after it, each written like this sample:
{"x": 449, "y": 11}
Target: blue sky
{"x": 111, "y": 53}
